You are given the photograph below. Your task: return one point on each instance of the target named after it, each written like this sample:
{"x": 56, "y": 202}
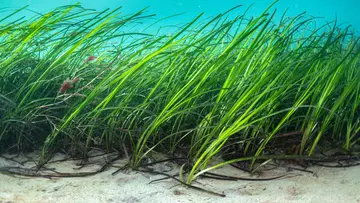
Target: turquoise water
{"x": 346, "y": 11}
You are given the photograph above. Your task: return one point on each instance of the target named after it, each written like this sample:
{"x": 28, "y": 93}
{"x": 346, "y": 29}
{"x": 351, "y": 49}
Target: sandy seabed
{"x": 338, "y": 185}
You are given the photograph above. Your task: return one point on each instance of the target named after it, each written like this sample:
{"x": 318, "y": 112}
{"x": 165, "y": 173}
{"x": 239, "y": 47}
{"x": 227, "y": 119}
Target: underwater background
{"x": 244, "y": 85}
{"x": 346, "y": 11}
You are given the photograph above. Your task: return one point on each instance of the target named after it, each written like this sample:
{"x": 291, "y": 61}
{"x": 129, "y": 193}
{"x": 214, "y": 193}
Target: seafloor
{"x": 317, "y": 184}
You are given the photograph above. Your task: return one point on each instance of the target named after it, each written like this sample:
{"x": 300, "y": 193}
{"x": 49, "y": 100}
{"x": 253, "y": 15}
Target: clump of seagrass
{"x": 250, "y": 90}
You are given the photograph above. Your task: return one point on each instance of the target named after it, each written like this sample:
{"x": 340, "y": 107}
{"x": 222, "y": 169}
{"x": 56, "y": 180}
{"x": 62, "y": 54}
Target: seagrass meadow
{"x": 244, "y": 88}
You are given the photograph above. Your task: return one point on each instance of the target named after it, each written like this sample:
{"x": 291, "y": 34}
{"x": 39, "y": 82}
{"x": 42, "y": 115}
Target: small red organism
{"x": 68, "y": 84}
{"x": 65, "y": 86}
{"x": 90, "y": 58}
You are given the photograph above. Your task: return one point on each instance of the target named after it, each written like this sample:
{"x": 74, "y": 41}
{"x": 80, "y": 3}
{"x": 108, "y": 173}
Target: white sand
{"x": 340, "y": 185}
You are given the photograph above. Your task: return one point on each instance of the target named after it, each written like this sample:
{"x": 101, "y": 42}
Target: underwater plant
{"x": 237, "y": 88}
